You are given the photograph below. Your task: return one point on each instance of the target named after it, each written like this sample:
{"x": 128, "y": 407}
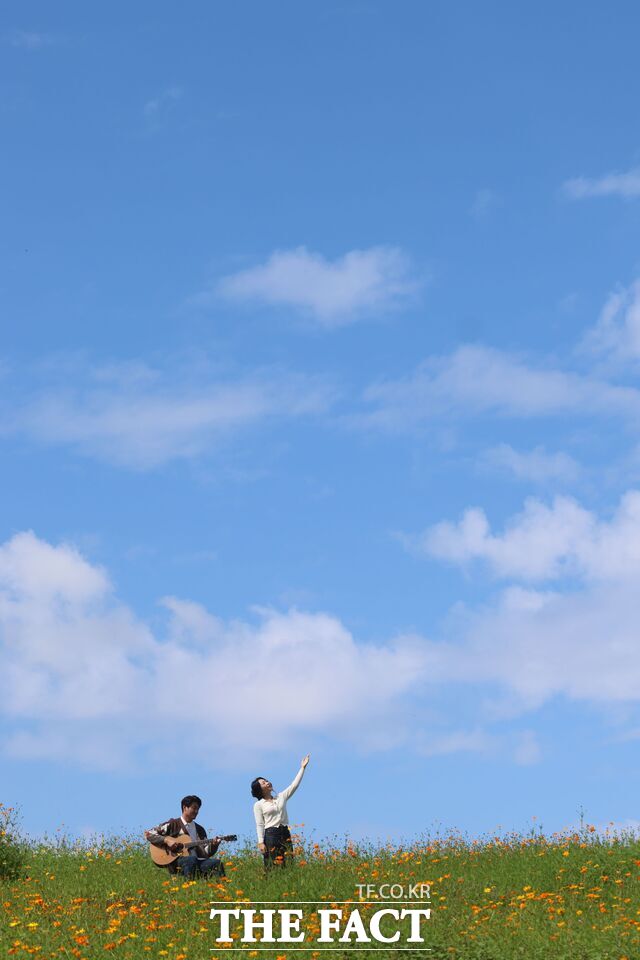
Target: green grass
{"x": 576, "y": 898}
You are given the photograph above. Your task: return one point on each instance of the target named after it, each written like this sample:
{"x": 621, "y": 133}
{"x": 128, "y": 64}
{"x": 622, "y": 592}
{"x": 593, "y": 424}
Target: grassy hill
{"x": 497, "y": 899}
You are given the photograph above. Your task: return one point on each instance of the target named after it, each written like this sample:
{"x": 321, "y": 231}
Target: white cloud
{"x": 476, "y": 381}
{"x": 617, "y": 332}
{"x": 137, "y": 418}
{"x": 331, "y": 292}
{"x": 72, "y": 653}
{"x": 625, "y": 185}
{"x": 530, "y": 646}
{"x": 536, "y": 466}
{"x": 330, "y": 680}
{"x": 66, "y": 648}
{"x": 33, "y": 568}
{"x": 546, "y": 542}
{"x": 533, "y": 547}
{"x": 86, "y": 681}
{"x": 581, "y": 645}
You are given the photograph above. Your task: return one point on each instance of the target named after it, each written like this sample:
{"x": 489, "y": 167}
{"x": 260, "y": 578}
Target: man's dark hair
{"x": 256, "y": 789}
{"x": 190, "y": 800}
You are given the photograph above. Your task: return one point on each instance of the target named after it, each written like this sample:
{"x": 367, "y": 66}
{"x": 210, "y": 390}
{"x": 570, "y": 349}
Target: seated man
{"x": 201, "y": 858}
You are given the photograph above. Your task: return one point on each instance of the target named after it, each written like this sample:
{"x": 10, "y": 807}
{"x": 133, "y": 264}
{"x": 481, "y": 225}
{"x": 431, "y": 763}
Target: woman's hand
{"x": 304, "y": 761}
{"x": 262, "y": 847}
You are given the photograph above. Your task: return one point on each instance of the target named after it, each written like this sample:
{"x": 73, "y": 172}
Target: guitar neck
{"x": 201, "y": 843}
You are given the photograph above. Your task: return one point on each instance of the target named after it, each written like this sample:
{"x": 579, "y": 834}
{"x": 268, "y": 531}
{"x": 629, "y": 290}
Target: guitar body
{"x": 162, "y": 857}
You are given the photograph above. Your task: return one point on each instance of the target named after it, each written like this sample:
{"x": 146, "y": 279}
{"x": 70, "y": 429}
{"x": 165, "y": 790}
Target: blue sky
{"x": 319, "y": 374}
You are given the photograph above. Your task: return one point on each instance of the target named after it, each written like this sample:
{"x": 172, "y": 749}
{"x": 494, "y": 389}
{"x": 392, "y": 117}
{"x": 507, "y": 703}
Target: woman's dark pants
{"x": 277, "y": 840}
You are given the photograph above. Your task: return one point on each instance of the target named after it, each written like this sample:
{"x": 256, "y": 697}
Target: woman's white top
{"x": 273, "y": 813}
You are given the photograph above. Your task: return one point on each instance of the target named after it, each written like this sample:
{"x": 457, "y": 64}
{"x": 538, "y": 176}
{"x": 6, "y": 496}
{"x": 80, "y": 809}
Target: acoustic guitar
{"x": 163, "y": 857}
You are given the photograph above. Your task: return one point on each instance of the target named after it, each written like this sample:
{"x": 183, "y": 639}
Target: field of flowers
{"x": 500, "y": 898}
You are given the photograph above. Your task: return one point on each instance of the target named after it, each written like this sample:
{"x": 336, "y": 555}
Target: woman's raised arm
{"x": 295, "y": 783}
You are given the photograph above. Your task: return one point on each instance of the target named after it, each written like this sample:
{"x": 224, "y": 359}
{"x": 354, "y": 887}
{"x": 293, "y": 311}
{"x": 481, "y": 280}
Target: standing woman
{"x": 272, "y": 822}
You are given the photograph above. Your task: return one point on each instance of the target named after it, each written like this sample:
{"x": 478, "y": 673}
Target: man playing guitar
{"x": 201, "y": 857}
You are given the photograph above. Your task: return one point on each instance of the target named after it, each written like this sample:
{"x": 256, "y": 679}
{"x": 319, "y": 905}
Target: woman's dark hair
{"x": 256, "y": 789}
